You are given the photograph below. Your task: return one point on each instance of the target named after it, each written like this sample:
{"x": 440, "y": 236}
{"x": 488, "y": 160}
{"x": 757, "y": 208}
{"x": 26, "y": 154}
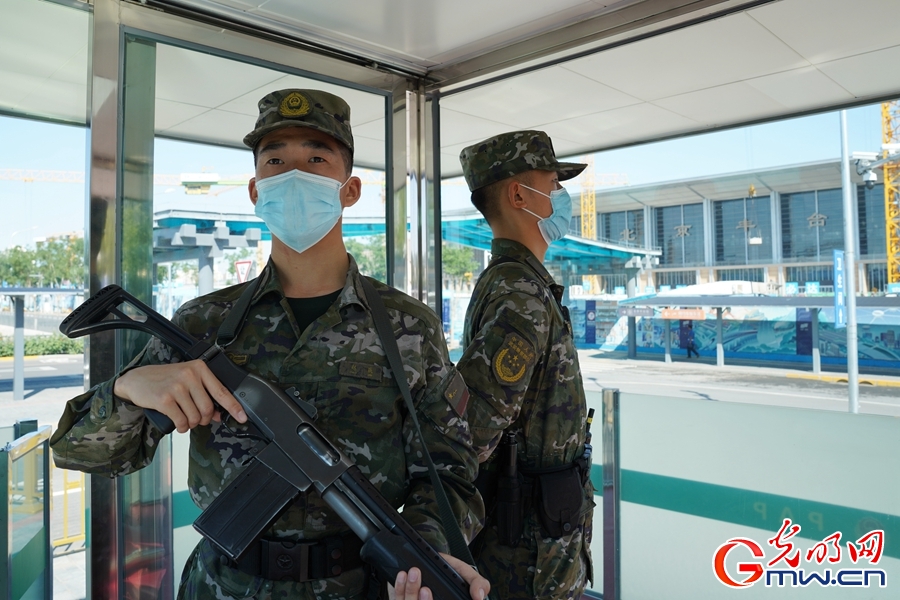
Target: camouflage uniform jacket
{"x": 339, "y": 365}
{"x": 521, "y": 367}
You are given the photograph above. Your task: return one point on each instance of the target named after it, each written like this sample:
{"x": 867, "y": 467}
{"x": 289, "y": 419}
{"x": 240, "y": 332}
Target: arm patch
{"x": 513, "y": 359}
{"x": 457, "y": 394}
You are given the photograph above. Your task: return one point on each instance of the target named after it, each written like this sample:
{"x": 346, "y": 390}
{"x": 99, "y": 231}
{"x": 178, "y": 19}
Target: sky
{"x": 34, "y": 210}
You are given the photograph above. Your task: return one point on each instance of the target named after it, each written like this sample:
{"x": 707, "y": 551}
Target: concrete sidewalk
{"x": 833, "y": 373}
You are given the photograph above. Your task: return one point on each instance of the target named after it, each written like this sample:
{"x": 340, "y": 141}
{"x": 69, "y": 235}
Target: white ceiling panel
{"x": 208, "y": 98}
{"x": 169, "y": 114}
{"x": 368, "y": 152}
{"x": 872, "y": 74}
{"x": 373, "y": 130}
{"x": 547, "y": 95}
{"x": 43, "y": 70}
{"x": 825, "y": 30}
{"x": 619, "y": 126}
{"x": 215, "y": 126}
{"x": 706, "y": 55}
{"x": 721, "y": 105}
{"x": 56, "y": 99}
{"x": 369, "y": 141}
{"x": 205, "y": 80}
{"x": 801, "y": 89}
{"x": 458, "y": 129}
{"x": 427, "y": 31}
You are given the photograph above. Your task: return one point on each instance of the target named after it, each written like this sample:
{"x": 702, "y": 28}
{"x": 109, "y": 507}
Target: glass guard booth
{"x": 158, "y": 76}
{"x": 175, "y": 90}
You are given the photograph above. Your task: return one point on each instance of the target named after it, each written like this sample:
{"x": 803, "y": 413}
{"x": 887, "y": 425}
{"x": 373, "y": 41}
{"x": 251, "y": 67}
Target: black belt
{"x": 283, "y": 560}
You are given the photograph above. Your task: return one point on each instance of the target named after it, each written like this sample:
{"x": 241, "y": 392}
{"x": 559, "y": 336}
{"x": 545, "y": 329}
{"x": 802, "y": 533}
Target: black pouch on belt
{"x": 560, "y": 498}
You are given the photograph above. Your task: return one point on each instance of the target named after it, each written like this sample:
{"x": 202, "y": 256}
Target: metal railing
{"x": 68, "y": 535}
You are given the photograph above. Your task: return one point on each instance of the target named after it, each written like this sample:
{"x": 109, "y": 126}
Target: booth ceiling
{"x": 605, "y": 73}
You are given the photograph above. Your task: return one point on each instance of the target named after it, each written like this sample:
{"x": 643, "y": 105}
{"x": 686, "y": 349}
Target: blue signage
{"x": 892, "y": 288}
{"x": 791, "y": 288}
{"x": 619, "y": 290}
{"x": 590, "y": 321}
{"x": 445, "y": 314}
{"x": 812, "y": 287}
{"x": 840, "y": 313}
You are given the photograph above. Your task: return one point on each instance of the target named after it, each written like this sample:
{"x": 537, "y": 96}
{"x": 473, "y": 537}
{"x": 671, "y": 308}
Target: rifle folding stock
{"x": 295, "y": 457}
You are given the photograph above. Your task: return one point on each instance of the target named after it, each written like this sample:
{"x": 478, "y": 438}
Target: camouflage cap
{"x": 509, "y": 154}
{"x": 302, "y": 108}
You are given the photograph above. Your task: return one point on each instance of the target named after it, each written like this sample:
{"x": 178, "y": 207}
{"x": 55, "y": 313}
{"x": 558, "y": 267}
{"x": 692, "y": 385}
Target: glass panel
{"x": 745, "y": 274}
{"x": 44, "y": 68}
{"x": 823, "y": 274}
{"x": 669, "y": 235}
{"x": 28, "y": 561}
{"x": 731, "y": 237}
{"x": 759, "y": 236}
{"x": 623, "y": 227}
{"x": 872, "y": 233}
{"x": 830, "y": 204}
{"x": 146, "y": 516}
{"x": 876, "y": 278}
{"x": 673, "y": 279}
{"x": 683, "y": 496}
{"x": 799, "y": 226}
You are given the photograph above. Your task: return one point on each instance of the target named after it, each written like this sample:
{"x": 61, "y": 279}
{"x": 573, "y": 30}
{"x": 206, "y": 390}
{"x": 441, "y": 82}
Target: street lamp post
{"x": 850, "y": 270}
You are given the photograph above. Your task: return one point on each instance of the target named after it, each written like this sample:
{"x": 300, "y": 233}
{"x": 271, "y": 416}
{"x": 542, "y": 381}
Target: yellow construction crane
{"x": 588, "y": 200}
{"x": 890, "y": 126}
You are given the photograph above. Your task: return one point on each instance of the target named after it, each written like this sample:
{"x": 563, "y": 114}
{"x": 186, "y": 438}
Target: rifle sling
{"x": 455, "y": 540}
{"x": 234, "y": 320}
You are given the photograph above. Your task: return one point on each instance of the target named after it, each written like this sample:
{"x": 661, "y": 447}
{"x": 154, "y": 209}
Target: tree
{"x": 458, "y": 261}
{"x": 17, "y": 267}
{"x": 61, "y": 261}
{"x": 370, "y": 254}
{"x": 55, "y": 262}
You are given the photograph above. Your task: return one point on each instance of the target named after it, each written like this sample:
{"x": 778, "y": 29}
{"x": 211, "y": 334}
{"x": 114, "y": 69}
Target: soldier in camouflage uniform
{"x": 308, "y": 326}
{"x": 522, "y": 370}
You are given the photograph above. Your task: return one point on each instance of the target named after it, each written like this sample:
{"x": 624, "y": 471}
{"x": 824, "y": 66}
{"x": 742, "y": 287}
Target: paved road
{"x": 755, "y": 385}
{"x": 49, "y": 382}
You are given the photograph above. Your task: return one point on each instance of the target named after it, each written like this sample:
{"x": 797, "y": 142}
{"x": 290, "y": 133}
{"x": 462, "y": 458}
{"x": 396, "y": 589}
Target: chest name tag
{"x": 513, "y": 359}
{"x": 361, "y": 370}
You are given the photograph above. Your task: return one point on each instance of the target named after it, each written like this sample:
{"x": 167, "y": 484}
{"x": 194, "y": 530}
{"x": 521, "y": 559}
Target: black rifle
{"x": 296, "y": 457}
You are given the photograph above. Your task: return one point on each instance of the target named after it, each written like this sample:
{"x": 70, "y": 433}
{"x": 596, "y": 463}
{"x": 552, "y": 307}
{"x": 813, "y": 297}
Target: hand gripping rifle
{"x": 296, "y": 457}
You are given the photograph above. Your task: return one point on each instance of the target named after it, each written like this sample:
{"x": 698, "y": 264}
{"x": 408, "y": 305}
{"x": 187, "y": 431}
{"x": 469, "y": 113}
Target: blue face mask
{"x": 556, "y": 226}
{"x": 299, "y": 208}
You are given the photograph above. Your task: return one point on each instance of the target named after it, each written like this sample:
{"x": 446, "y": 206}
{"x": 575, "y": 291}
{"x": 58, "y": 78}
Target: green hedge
{"x": 44, "y": 344}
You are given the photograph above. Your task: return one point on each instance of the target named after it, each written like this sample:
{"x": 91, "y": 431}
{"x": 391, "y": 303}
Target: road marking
{"x": 843, "y": 379}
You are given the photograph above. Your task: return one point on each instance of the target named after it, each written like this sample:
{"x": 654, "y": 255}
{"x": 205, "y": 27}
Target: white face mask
{"x": 556, "y": 226}
{"x": 299, "y": 208}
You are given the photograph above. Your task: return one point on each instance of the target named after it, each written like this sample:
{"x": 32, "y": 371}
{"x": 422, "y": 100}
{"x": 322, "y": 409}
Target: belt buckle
{"x": 287, "y": 560}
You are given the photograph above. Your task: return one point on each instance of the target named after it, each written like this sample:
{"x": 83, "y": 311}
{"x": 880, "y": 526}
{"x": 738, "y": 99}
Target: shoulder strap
{"x": 455, "y": 540}
{"x": 234, "y": 320}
